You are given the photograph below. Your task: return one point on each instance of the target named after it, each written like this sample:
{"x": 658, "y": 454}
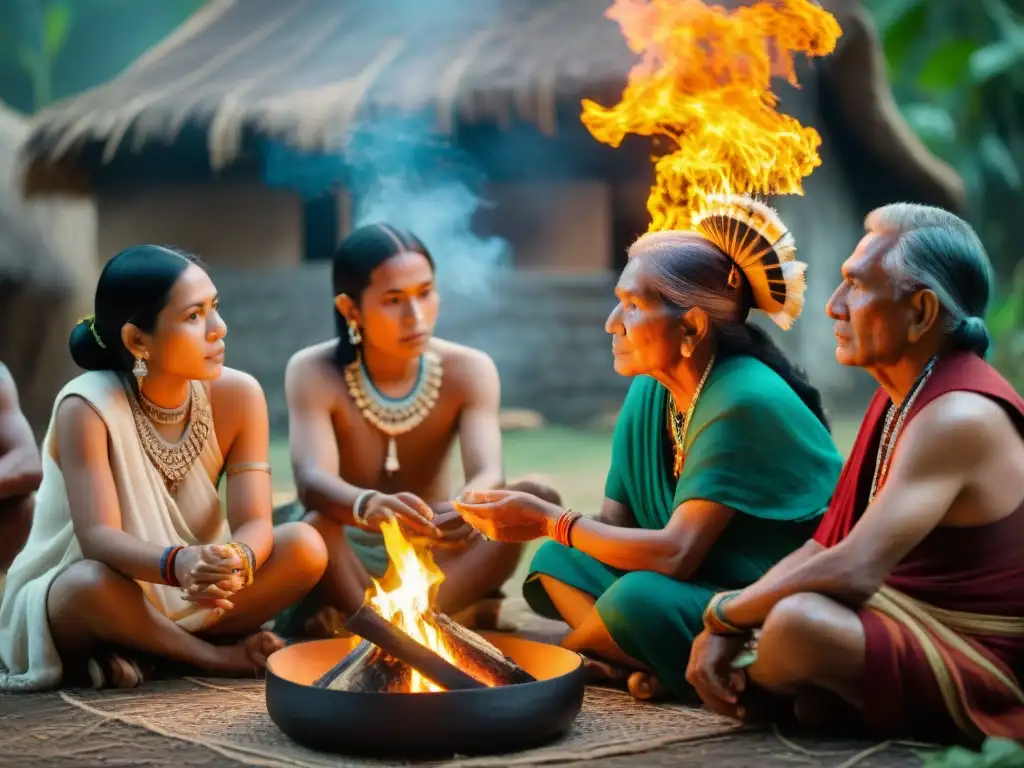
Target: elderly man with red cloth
{"x": 906, "y": 610}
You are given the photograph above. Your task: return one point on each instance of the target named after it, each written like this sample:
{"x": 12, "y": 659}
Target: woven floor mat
{"x": 229, "y": 720}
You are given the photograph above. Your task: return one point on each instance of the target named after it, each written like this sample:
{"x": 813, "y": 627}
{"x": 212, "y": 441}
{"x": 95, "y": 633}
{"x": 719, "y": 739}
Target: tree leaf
{"x": 996, "y": 59}
{"x": 932, "y": 123}
{"x": 886, "y": 13}
{"x": 998, "y": 158}
{"x": 56, "y": 25}
{"x": 947, "y": 68}
{"x": 902, "y": 32}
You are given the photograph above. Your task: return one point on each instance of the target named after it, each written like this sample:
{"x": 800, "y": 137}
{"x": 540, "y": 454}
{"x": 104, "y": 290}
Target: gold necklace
{"x": 173, "y": 460}
{"x": 160, "y": 415}
{"x": 393, "y": 416}
{"x": 679, "y": 430}
{"x": 887, "y": 444}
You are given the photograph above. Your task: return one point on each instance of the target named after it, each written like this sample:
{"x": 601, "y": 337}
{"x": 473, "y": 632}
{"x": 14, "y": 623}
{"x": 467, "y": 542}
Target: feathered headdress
{"x": 754, "y": 237}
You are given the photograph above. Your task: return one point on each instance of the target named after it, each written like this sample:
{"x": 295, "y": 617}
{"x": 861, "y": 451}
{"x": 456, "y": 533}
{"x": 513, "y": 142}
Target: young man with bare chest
{"x": 373, "y": 417}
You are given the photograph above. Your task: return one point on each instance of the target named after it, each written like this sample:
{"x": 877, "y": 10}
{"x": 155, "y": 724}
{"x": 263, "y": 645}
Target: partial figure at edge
{"x": 21, "y": 471}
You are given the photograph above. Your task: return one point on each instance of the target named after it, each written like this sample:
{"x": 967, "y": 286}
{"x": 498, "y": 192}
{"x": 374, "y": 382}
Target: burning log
{"x": 478, "y": 657}
{"x": 365, "y": 668}
{"x": 371, "y": 626}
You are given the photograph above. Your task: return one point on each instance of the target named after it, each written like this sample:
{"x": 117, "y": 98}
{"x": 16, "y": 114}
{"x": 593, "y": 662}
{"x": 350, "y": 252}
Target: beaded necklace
{"x": 393, "y": 416}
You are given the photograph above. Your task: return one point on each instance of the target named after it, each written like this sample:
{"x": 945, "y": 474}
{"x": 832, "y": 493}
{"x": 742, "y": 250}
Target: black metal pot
{"x": 489, "y": 720}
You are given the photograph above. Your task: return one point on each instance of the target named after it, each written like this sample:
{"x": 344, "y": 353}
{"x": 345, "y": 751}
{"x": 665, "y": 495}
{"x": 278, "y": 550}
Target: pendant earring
{"x": 354, "y": 336}
{"x": 140, "y": 370}
{"x": 685, "y": 351}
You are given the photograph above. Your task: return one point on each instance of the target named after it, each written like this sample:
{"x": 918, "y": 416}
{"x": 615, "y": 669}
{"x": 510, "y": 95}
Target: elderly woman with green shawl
{"x": 722, "y": 462}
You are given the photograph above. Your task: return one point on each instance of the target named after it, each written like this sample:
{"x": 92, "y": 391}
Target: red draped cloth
{"x": 945, "y": 634}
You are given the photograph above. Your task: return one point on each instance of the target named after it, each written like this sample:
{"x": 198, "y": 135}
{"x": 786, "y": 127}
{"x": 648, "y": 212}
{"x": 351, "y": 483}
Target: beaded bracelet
{"x": 167, "y": 559}
{"x": 248, "y": 558}
{"x": 564, "y": 525}
{"x": 715, "y": 622}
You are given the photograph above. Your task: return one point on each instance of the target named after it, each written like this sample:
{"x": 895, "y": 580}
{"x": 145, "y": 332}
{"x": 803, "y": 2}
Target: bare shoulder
{"x": 236, "y": 388}
{"x": 80, "y": 430}
{"x": 467, "y": 367}
{"x": 310, "y": 369}
{"x": 964, "y": 426}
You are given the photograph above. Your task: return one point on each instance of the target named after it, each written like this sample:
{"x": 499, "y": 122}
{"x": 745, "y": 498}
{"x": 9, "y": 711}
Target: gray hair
{"x": 693, "y": 272}
{"x": 938, "y": 250}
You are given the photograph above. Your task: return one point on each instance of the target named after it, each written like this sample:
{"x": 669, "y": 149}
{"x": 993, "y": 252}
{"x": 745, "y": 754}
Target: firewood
{"x": 371, "y": 626}
{"x": 479, "y": 658}
{"x": 365, "y": 668}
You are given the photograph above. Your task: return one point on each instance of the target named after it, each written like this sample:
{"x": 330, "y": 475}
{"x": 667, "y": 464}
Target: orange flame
{"x": 405, "y": 595}
{"x": 704, "y": 84}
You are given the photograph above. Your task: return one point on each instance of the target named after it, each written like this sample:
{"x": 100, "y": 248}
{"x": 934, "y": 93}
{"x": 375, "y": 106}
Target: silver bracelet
{"x": 357, "y": 508}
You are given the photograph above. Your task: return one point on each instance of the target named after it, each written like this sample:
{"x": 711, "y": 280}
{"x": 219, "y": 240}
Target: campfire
{"x": 407, "y": 646}
{"x": 702, "y": 90}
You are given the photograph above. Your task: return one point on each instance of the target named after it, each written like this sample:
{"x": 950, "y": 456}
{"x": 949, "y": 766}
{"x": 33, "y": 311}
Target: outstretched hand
{"x": 512, "y": 516}
{"x": 407, "y": 509}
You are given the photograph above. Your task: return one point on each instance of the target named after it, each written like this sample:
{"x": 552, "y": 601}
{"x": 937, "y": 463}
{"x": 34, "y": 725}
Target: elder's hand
{"x": 512, "y": 516}
{"x": 710, "y": 672}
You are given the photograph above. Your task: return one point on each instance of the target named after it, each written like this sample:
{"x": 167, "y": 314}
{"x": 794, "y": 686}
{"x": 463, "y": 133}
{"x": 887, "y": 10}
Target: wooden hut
{"x": 180, "y": 148}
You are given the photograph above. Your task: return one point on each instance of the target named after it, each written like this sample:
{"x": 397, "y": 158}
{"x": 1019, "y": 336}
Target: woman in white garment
{"x": 130, "y": 558}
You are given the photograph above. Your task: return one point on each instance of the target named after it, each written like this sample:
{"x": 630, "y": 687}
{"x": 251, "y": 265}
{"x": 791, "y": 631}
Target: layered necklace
{"x": 679, "y": 425}
{"x": 894, "y": 420}
{"x": 393, "y": 416}
{"x": 172, "y": 460}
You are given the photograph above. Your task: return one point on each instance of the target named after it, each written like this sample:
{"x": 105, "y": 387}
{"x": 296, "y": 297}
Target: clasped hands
{"x": 210, "y": 574}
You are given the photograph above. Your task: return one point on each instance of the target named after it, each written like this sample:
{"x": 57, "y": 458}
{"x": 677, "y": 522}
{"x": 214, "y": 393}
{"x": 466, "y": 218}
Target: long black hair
{"x": 692, "y": 271}
{"x": 361, "y": 252}
{"x": 133, "y": 288}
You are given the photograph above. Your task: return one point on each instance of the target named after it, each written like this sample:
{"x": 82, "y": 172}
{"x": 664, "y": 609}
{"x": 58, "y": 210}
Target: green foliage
{"x": 44, "y": 29}
{"x": 995, "y": 753}
{"x": 957, "y": 71}
{"x": 1006, "y": 326}
{"x": 50, "y": 49}
{"x": 954, "y": 70}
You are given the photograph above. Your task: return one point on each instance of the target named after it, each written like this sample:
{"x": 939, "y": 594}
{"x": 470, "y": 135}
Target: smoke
{"x": 399, "y": 173}
{"x": 396, "y": 168}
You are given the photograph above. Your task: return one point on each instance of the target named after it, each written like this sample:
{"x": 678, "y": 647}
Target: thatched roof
{"x": 302, "y": 70}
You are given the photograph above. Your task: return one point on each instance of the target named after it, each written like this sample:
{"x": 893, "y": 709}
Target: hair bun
{"x": 755, "y": 238}
{"x": 85, "y": 350}
{"x": 972, "y": 335}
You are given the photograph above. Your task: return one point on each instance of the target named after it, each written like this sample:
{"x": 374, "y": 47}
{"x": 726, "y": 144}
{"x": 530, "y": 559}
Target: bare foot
{"x": 600, "y": 672}
{"x": 248, "y": 657}
{"x": 325, "y": 623}
{"x": 485, "y": 614}
{"x": 114, "y": 670}
{"x": 643, "y": 686}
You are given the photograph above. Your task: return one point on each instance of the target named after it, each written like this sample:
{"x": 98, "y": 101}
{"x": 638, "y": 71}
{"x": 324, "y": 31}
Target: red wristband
{"x": 563, "y": 526}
